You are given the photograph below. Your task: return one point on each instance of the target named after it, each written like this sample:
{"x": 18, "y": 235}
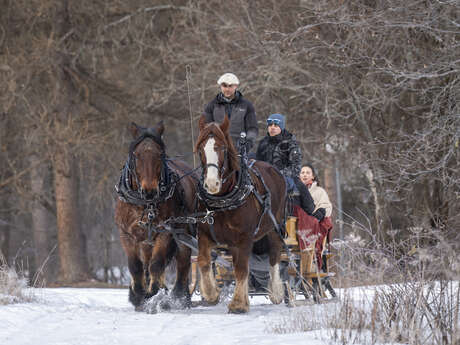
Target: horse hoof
{"x": 139, "y": 308}
{"x": 185, "y": 303}
{"x": 213, "y": 302}
{"x": 136, "y": 298}
{"x": 164, "y": 305}
{"x": 209, "y": 302}
{"x": 238, "y": 310}
{"x": 275, "y": 299}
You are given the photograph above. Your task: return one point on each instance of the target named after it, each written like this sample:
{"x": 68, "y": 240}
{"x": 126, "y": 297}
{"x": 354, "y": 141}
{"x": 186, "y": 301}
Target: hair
{"x": 315, "y": 176}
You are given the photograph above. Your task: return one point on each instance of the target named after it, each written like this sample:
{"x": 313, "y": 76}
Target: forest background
{"x": 370, "y": 88}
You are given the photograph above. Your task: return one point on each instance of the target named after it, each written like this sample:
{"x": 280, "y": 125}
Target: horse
{"x": 152, "y": 189}
{"x": 247, "y": 204}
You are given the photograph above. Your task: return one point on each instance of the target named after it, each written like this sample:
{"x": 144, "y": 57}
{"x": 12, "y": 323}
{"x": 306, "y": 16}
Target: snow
{"x": 65, "y": 316}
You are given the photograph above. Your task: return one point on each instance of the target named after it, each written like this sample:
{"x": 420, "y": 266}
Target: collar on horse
{"x": 233, "y": 199}
{"x": 124, "y": 188}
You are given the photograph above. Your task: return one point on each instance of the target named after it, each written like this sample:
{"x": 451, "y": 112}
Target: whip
{"x": 188, "y": 73}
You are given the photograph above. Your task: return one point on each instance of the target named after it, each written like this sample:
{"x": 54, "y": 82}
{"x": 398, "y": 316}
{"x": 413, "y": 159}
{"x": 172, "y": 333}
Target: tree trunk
{"x": 379, "y": 221}
{"x": 4, "y": 242}
{"x": 71, "y": 243}
{"x": 41, "y": 225}
{"x": 329, "y": 180}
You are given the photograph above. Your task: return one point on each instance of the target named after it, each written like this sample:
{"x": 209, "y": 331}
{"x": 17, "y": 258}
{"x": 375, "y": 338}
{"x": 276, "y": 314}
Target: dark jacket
{"x": 282, "y": 151}
{"x": 241, "y": 113}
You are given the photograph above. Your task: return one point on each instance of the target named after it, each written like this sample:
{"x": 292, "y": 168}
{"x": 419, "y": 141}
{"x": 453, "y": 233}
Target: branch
{"x": 150, "y": 9}
{"x": 20, "y": 174}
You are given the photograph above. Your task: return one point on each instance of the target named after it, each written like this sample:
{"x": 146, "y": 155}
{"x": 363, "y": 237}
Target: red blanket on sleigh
{"x": 309, "y": 229}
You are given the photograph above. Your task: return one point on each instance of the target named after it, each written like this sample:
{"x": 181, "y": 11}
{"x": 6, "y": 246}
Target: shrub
{"x": 13, "y": 286}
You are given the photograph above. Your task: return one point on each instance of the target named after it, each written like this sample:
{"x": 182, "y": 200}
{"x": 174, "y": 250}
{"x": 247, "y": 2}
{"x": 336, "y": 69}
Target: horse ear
{"x": 201, "y": 123}
{"x": 224, "y": 126}
{"x": 160, "y": 128}
{"x": 134, "y": 129}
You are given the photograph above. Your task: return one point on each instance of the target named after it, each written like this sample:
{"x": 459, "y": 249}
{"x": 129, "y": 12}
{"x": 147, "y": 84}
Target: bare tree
{"x": 377, "y": 81}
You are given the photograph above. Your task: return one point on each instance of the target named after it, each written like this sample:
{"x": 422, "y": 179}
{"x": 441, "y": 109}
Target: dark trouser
{"x": 306, "y": 201}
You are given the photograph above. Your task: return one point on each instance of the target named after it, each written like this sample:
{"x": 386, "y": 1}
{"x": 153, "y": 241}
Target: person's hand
{"x": 319, "y": 214}
{"x": 249, "y": 145}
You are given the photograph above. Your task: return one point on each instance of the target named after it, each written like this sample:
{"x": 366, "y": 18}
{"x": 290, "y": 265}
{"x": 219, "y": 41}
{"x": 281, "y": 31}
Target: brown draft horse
{"x": 237, "y": 227}
{"x": 151, "y": 190}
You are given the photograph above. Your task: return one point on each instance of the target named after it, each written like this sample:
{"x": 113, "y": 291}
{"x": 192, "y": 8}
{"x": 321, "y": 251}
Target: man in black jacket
{"x": 279, "y": 148}
{"x": 239, "y": 110}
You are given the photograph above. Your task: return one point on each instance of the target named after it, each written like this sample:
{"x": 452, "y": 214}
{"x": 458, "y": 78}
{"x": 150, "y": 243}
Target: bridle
{"x": 128, "y": 179}
{"x": 221, "y": 170}
{"x": 236, "y": 193}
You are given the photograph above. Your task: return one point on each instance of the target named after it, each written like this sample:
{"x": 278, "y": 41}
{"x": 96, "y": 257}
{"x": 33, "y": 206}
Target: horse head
{"x": 217, "y": 154}
{"x": 147, "y": 157}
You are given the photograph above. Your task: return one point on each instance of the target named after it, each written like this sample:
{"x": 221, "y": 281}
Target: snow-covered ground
{"x": 65, "y": 316}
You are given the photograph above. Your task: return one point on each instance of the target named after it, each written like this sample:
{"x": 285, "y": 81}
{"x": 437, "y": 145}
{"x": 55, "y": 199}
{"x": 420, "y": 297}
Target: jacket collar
{"x": 314, "y": 185}
{"x": 223, "y": 100}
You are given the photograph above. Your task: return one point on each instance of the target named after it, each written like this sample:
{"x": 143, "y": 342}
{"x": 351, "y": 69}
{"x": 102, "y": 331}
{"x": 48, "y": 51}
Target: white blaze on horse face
{"x": 212, "y": 181}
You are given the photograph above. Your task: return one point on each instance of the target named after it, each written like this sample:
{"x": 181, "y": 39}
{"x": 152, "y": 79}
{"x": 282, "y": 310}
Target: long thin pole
{"x": 188, "y": 73}
{"x": 339, "y": 209}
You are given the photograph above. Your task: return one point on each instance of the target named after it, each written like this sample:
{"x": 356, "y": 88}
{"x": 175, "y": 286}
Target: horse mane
{"x": 214, "y": 129}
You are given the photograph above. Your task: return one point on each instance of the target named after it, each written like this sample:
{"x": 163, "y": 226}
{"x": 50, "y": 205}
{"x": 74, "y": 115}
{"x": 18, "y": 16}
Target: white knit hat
{"x": 228, "y": 78}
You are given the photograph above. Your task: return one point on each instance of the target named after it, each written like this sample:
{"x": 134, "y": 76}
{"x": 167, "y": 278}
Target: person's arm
{"x": 250, "y": 126}
{"x": 306, "y": 200}
{"x": 259, "y": 153}
{"x": 324, "y": 202}
{"x": 208, "y": 112}
{"x": 294, "y": 159}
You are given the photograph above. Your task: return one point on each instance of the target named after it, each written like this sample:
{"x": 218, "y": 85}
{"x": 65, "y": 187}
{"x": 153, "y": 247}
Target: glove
{"x": 319, "y": 214}
{"x": 249, "y": 145}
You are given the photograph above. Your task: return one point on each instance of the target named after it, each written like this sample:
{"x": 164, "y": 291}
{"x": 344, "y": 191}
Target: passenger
{"x": 309, "y": 178}
{"x": 279, "y": 148}
{"x": 229, "y": 101}
{"x": 319, "y": 195}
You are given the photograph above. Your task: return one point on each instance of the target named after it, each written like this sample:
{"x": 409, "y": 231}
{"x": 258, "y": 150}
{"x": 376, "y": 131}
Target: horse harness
{"x": 234, "y": 199}
{"x": 214, "y": 204}
{"x": 167, "y": 184}
{"x": 238, "y": 196}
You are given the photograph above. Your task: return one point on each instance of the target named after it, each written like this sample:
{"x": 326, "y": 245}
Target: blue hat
{"x": 278, "y": 119}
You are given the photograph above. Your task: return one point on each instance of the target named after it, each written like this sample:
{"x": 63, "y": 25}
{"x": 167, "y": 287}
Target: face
{"x": 306, "y": 175}
{"x": 228, "y": 90}
{"x": 274, "y": 130}
{"x": 212, "y": 181}
{"x": 148, "y": 166}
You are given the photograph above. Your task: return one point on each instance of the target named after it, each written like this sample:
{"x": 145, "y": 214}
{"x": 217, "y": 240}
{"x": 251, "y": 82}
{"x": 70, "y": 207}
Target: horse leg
{"x": 161, "y": 254}
{"x": 240, "y": 301}
{"x": 208, "y": 286}
{"x": 275, "y": 285}
{"x": 181, "y": 290}
{"x": 136, "y": 289}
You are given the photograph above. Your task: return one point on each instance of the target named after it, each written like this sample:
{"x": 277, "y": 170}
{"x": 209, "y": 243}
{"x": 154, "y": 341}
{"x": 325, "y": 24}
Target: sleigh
{"x": 302, "y": 276}
{"x": 309, "y": 279}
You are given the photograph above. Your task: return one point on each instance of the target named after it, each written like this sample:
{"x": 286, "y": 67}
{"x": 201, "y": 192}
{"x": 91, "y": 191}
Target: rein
{"x": 238, "y": 196}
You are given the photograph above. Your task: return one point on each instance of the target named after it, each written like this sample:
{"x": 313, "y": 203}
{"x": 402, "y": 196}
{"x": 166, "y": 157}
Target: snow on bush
{"x": 13, "y": 287}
